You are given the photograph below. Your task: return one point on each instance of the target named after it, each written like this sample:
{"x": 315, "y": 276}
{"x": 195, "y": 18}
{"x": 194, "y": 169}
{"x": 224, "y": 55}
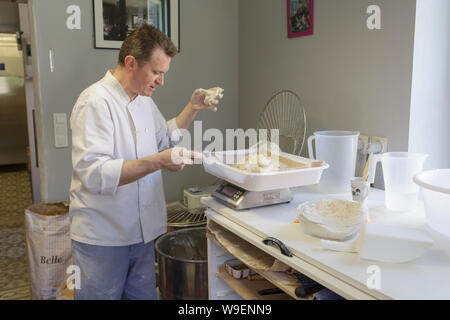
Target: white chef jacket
{"x": 108, "y": 129}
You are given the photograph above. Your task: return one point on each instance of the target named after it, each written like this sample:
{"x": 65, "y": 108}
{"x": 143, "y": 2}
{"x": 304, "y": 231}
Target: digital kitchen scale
{"x": 238, "y": 198}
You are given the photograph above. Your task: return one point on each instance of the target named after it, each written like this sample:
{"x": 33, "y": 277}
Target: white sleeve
{"x": 168, "y": 135}
{"x": 174, "y": 131}
{"x": 93, "y": 148}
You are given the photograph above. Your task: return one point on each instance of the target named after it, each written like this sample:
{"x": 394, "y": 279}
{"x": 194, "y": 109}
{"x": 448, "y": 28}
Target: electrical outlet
{"x": 60, "y": 130}
{"x": 363, "y": 142}
{"x": 383, "y": 141}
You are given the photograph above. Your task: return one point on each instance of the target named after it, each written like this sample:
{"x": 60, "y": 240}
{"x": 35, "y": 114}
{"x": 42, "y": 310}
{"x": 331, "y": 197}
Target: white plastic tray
{"x": 216, "y": 164}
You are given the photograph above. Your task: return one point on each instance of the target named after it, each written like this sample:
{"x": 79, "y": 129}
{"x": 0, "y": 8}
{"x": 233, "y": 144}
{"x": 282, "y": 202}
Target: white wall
{"x": 349, "y": 77}
{"x": 430, "y": 104}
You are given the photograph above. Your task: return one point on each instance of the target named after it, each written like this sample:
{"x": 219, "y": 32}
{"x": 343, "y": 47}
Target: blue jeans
{"x": 115, "y": 273}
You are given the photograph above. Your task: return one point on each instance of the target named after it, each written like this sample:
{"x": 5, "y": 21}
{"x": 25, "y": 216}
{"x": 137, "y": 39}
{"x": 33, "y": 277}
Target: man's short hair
{"x": 143, "y": 41}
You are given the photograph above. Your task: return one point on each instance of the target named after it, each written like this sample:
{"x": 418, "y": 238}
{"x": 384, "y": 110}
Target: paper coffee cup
{"x": 360, "y": 189}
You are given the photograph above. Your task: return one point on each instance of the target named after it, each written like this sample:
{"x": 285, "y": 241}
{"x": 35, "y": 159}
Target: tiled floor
{"x": 15, "y": 196}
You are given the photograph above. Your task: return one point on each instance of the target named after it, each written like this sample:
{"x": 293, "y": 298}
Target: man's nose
{"x": 160, "y": 80}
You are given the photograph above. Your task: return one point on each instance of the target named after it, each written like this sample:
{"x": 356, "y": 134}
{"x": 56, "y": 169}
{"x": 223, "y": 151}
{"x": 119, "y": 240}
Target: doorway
{"x": 19, "y": 172}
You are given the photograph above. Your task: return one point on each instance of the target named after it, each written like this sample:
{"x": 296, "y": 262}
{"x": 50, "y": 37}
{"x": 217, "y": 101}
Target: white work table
{"x": 427, "y": 277}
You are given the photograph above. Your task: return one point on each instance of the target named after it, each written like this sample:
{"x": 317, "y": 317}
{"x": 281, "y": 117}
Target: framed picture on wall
{"x": 300, "y": 18}
{"x": 114, "y": 20}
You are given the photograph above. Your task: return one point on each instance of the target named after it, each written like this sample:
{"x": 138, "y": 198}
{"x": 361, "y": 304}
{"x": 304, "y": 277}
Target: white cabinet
{"x": 344, "y": 273}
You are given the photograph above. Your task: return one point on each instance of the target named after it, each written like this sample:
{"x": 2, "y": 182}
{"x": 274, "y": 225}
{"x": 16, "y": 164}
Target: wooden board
{"x": 284, "y": 281}
{"x": 248, "y": 290}
{"x": 289, "y": 164}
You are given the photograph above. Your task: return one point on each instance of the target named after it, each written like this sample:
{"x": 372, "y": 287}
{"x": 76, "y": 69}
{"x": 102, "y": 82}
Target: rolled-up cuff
{"x": 175, "y": 133}
{"x": 111, "y": 171}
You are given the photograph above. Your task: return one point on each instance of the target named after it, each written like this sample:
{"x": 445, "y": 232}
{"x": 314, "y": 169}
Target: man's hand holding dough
{"x": 206, "y": 99}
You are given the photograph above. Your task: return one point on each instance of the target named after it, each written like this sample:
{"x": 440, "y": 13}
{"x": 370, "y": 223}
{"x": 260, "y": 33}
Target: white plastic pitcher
{"x": 399, "y": 168}
{"x": 338, "y": 149}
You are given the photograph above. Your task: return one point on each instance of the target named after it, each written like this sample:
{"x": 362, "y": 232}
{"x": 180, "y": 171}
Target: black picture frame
{"x": 114, "y": 21}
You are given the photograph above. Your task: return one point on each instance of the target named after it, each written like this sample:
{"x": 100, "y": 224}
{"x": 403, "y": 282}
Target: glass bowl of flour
{"x": 331, "y": 219}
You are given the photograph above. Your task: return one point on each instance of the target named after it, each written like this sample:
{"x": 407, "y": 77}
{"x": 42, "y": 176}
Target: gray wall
{"x": 430, "y": 105}
{"x": 350, "y": 78}
{"x": 201, "y": 63}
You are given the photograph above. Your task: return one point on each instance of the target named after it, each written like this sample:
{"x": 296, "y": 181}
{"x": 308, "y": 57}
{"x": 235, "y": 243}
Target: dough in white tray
{"x": 257, "y": 163}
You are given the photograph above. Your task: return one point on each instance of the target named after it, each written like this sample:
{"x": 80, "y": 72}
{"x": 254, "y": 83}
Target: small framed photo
{"x": 114, "y": 20}
{"x": 300, "y": 18}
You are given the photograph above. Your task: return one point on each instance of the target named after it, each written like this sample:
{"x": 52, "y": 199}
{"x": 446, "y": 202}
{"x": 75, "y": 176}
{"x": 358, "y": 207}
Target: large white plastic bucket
{"x": 436, "y": 194}
{"x": 399, "y": 168}
{"x": 338, "y": 149}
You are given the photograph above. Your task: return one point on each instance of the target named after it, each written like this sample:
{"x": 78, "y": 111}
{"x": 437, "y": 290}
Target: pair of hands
{"x": 177, "y": 158}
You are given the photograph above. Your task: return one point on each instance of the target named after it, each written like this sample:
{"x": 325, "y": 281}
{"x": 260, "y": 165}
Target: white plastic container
{"x": 436, "y": 193}
{"x": 399, "y": 168}
{"x": 338, "y": 149}
{"x": 217, "y": 164}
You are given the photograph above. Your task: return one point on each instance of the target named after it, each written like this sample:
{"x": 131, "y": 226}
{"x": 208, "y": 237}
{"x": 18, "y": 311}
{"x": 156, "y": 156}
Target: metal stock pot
{"x": 183, "y": 264}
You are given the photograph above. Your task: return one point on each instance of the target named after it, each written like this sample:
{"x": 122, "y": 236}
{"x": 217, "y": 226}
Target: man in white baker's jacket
{"x": 120, "y": 143}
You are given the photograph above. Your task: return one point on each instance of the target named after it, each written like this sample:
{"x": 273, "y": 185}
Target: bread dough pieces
{"x": 258, "y": 163}
{"x": 211, "y": 94}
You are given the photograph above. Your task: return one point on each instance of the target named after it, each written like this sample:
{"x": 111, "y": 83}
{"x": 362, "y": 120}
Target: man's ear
{"x": 130, "y": 63}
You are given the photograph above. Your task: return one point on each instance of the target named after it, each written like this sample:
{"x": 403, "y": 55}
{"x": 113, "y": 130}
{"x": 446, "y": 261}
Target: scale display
{"x": 230, "y": 191}
{"x": 238, "y": 198}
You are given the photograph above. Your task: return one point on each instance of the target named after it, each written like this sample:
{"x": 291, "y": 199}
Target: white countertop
{"x": 427, "y": 277}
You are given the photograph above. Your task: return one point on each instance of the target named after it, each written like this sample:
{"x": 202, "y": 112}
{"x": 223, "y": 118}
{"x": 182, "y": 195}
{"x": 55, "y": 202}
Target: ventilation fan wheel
{"x": 284, "y": 111}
